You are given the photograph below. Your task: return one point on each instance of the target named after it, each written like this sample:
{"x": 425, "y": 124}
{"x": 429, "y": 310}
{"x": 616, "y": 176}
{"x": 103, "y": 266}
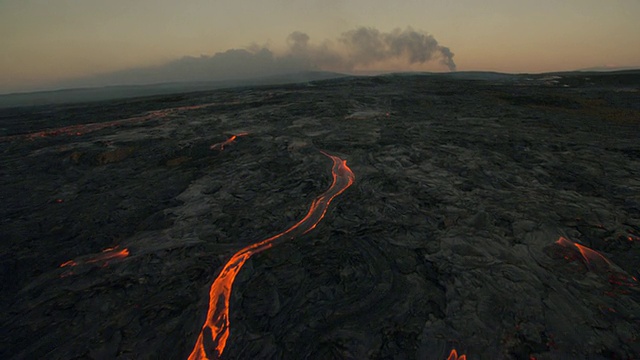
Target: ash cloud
{"x": 368, "y": 45}
{"x": 360, "y": 48}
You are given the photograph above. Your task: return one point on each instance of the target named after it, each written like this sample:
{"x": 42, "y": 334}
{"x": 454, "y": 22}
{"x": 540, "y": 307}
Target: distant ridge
{"x": 80, "y": 95}
{"x": 609, "y": 68}
{"x": 610, "y": 76}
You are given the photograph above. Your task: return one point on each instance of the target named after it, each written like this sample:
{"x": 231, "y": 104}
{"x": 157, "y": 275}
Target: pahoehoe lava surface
{"x": 477, "y": 202}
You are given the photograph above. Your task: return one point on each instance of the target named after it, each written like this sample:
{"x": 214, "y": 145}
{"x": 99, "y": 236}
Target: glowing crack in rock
{"x": 81, "y": 129}
{"x": 593, "y": 260}
{"x": 215, "y": 331}
{"x": 220, "y": 146}
{"x": 590, "y": 257}
{"x": 454, "y": 356}
{"x": 106, "y": 256}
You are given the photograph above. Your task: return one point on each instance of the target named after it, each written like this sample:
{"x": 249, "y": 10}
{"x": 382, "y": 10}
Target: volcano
{"x": 481, "y": 216}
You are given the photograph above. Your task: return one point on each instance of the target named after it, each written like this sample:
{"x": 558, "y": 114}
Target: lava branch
{"x": 454, "y": 356}
{"x": 593, "y": 260}
{"x": 589, "y": 256}
{"x": 215, "y": 331}
{"x": 220, "y": 146}
{"x": 105, "y": 257}
{"x": 81, "y": 129}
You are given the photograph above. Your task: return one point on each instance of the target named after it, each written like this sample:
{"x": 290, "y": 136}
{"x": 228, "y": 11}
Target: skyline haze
{"x": 66, "y": 43}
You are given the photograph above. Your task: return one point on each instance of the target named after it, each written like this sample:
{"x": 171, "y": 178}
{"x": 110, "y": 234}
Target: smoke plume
{"x": 360, "y": 48}
{"x": 367, "y": 45}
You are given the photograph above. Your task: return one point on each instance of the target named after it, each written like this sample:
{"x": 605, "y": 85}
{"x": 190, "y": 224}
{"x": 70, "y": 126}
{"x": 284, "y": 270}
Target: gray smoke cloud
{"x": 368, "y": 45}
{"x": 363, "y": 47}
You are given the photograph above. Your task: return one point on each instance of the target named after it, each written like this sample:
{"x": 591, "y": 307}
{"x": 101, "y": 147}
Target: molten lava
{"x": 215, "y": 331}
{"x": 104, "y": 258}
{"x": 108, "y": 255}
{"x": 68, "y": 263}
{"x": 220, "y": 146}
{"x": 78, "y": 130}
{"x": 590, "y": 257}
{"x": 454, "y": 356}
{"x": 595, "y": 261}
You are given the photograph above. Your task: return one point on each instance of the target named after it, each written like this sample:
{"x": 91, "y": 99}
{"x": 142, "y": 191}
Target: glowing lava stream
{"x": 215, "y": 331}
{"x": 81, "y": 129}
{"x": 107, "y": 255}
{"x": 220, "y": 146}
{"x": 454, "y": 356}
{"x": 588, "y": 255}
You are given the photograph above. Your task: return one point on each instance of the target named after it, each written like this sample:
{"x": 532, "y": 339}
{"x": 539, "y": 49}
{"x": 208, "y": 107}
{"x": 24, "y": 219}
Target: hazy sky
{"x": 44, "y": 41}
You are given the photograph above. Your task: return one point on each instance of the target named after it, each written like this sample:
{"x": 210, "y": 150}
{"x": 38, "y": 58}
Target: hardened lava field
{"x": 492, "y": 216}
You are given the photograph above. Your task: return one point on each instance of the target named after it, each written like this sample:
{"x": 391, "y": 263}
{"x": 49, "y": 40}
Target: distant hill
{"x": 81, "y": 95}
{"x": 610, "y": 68}
{"x": 608, "y": 77}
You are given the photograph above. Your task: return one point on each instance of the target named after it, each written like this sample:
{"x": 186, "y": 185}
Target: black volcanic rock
{"x": 446, "y": 240}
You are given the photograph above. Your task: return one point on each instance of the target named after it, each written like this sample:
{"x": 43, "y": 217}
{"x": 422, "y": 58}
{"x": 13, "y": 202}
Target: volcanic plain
{"x": 497, "y": 215}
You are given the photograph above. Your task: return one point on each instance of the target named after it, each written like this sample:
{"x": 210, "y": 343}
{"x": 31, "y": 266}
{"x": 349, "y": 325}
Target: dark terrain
{"x": 446, "y": 240}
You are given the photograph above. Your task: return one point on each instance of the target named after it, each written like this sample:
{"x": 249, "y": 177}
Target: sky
{"x": 65, "y": 43}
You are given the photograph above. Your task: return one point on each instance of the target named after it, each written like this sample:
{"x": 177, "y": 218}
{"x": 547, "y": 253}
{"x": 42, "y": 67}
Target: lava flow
{"x": 220, "y": 146}
{"x": 81, "y": 129}
{"x": 215, "y": 331}
{"x": 590, "y": 257}
{"x": 596, "y": 261}
{"x": 454, "y": 356}
{"x": 104, "y": 258}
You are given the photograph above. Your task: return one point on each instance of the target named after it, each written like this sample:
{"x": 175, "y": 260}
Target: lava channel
{"x": 220, "y": 146}
{"x": 215, "y": 331}
{"x": 81, "y": 129}
{"x": 591, "y": 258}
{"x": 106, "y": 256}
{"x": 454, "y": 356}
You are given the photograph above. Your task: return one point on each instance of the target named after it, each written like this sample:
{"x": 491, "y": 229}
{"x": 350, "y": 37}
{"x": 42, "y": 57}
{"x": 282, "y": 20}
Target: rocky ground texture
{"x": 499, "y": 216}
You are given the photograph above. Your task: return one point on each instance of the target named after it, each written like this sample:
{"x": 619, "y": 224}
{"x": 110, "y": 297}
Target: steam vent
{"x": 455, "y": 216}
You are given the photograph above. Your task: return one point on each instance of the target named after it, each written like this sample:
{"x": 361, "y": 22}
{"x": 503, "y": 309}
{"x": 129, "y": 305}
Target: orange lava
{"x": 622, "y": 282}
{"x": 454, "y": 356}
{"x": 220, "y": 146}
{"x": 78, "y": 130}
{"x": 105, "y": 257}
{"x": 109, "y": 254}
{"x": 591, "y": 257}
{"x": 215, "y": 331}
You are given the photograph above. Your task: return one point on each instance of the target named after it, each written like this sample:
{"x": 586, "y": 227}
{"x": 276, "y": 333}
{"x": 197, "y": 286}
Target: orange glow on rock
{"x": 78, "y": 130}
{"x": 107, "y": 255}
{"x": 624, "y": 280}
{"x": 590, "y": 257}
{"x": 220, "y": 146}
{"x": 454, "y": 356}
{"x": 215, "y": 331}
{"x": 621, "y": 281}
